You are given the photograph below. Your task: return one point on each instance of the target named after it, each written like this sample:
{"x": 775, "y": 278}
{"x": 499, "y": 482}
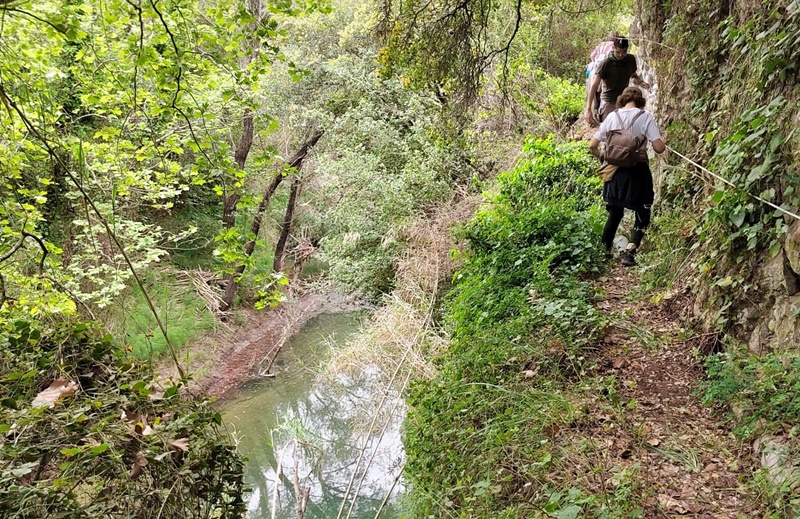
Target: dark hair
{"x": 621, "y": 42}
{"x": 631, "y": 94}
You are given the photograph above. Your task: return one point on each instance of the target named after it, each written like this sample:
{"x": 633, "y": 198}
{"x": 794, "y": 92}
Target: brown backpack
{"x": 623, "y": 148}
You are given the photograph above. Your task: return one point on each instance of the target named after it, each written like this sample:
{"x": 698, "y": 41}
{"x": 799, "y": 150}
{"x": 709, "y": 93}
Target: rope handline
{"x": 728, "y": 182}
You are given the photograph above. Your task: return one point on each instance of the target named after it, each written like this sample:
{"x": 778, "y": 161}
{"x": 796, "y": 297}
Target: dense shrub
{"x": 522, "y": 321}
{"x": 116, "y": 444}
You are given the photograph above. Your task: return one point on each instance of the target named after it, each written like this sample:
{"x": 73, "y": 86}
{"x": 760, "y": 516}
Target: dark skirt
{"x": 630, "y": 188}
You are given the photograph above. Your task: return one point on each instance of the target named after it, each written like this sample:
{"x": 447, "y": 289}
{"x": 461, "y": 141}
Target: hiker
{"x": 629, "y": 187}
{"x": 598, "y": 55}
{"x": 615, "y": 74}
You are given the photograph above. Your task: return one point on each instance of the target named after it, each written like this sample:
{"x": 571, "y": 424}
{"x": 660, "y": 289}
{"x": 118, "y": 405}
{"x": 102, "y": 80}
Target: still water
{"x": 317, "y": 429}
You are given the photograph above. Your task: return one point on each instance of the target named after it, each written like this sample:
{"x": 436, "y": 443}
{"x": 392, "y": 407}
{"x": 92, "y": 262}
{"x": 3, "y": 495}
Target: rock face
{"x": 709, "y": 78}
{"x": 792, "y": 247}
{"x": 777, "y": 460}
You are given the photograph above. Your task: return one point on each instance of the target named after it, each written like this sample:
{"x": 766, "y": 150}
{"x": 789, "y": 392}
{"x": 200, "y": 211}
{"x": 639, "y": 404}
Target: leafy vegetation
{"x": 733, "y": 86}
{"x": 145, "y": 139}
{"x": 523, "y": 326}
{"x": 762, "y": 388}
{"x": 88, "y": 432}
{"x": 748, "y": 140}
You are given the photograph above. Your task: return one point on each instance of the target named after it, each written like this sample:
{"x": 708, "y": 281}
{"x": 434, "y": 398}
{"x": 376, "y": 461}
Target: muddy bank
{"x": 223, "y": 360}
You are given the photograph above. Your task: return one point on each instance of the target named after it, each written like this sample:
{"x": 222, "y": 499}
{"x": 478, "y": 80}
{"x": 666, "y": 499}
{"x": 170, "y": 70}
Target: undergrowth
{"x": 764, "y": 389}
{"x": 116, "y": 443}
{"x": 761, "y": 394}
{"x": 182, "y": 311}
{"x": 480, "y": 436}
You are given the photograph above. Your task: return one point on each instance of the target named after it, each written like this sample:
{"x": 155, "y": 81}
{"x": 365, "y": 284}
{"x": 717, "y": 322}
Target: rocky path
{"x": 684, "y": 462}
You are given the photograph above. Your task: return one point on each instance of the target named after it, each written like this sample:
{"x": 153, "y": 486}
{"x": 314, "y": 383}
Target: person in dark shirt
{"x": 599, "y": 54}
{"x": 615, "y": 74}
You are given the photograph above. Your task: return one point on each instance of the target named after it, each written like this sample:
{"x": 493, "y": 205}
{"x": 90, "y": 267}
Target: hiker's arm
{"x": 594, "y": 147}
{"x": 658, "y": 146}
{"x": 638, "y": 81}
{"x": 591, "y": 95}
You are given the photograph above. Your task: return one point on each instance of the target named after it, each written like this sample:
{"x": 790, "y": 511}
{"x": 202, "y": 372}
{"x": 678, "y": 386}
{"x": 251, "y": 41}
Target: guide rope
{"x": 728, "y": 182}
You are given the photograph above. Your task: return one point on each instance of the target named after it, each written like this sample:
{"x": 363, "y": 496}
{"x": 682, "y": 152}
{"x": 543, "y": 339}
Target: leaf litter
{"x": 59, "y": 389}
{"x": 685, "y": 463}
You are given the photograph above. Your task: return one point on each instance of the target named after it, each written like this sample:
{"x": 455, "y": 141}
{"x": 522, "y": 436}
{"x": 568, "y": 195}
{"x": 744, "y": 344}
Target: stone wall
{"x": 703, "y": 81}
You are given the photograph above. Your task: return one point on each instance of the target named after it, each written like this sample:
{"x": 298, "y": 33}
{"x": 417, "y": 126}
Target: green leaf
{"x": 737, "y": 218}
{"x": 171, "y": 391}
{"x": 71, "y": 452}
{"x": 724, "y": 282}
{"x": 775, "y": 249}
{"x": 100, "y": 449}
{"x": 570, "y": 512}
{"x": 776, "y": 141}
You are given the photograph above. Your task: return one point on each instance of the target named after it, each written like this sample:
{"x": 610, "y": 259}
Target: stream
{"x": 317, "y": 428}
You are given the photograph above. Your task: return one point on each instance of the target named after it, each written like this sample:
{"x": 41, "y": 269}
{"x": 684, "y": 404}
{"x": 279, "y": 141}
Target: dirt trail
{"x": 687, "y": 464}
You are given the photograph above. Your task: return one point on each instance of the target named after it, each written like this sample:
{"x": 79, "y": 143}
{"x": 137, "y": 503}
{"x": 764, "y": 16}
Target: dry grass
{"x": 402, "y": 337}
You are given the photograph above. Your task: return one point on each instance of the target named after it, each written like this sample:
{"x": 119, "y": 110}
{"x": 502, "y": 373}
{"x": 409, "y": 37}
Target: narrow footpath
{"x": 685, "y": 461}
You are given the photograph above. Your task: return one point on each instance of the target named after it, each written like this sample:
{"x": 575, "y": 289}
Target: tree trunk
{"x": 255, "y": 226}
{"x": 242, "y": 150}
{"x": 280, "y": 248}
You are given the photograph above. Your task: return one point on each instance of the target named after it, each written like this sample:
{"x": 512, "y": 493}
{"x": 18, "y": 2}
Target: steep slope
{"x": 728, "y": 95}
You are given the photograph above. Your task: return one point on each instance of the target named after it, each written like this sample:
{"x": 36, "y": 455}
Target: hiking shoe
{"x": 628, "y": 258}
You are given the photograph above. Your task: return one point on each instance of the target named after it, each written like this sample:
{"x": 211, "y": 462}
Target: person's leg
{"x": 605, "y": 110}
{"x": 615, "y": 215}
{"x": 641, "y": 223}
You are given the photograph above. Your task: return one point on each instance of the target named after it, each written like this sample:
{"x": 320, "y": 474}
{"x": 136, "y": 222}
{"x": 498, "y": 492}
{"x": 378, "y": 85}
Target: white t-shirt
{"x": 645, "y": 125}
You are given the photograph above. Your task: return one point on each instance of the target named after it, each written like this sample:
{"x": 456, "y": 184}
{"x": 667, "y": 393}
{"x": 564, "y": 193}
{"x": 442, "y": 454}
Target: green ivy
{"x": 120, "y": 444}
{"x": 738, "y": 121}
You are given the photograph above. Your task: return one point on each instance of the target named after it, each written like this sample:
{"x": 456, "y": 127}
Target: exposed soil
{"x": 221, "y": 361}
{"x": 686, "y": 463}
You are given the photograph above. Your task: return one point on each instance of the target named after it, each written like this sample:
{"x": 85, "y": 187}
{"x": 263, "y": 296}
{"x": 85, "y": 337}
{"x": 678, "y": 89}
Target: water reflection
{"x": 315, "y": 431}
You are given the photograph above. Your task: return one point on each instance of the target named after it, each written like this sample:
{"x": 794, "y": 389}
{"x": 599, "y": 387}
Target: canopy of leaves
{"x": 446, "y": 47}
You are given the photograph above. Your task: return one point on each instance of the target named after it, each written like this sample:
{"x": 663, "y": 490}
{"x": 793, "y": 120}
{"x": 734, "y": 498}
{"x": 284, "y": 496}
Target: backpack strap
{"x": 644, "y": 137}
{"x": 633, "y": 120}
{"x": 616, "y": 112}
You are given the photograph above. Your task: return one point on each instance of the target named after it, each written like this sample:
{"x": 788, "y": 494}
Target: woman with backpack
{"x": 631, "y": 186}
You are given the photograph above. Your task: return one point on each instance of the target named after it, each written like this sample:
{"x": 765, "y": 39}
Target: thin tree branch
{"x": 13, "y": 249}
{"x": 72, "y": 294}
{"x": 38, "y": 19}
{"x": 507, "y": 48}
{"x": 174, "y": 104}
{"x": 103, "y": 221}
{"x": 43, "y": 247}
{"x": 3, "y": 297}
